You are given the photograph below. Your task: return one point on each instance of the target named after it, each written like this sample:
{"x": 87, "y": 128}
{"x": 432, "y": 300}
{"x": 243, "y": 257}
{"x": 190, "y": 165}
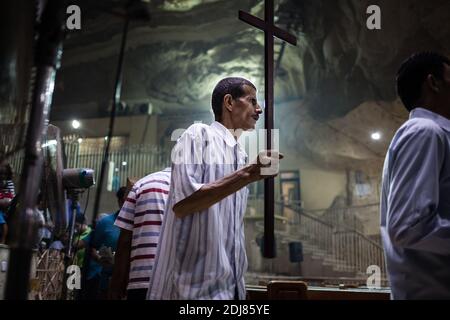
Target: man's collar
{"x": 443, "y": 122}
{"x": 224, "y": 133}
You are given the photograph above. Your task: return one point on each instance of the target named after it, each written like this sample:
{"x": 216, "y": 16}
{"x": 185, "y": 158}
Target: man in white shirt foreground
{"x": 201, "y": 253}
{"x": 415, "y": 199}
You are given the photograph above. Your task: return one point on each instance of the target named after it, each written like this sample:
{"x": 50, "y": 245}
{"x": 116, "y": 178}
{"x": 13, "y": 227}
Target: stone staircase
{"x": 321, "y": 262}
{"x": 328, "y": 251}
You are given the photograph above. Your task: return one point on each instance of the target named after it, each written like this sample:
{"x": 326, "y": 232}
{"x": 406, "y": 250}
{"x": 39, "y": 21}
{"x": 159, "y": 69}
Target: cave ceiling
{"x": 340, "y": 76}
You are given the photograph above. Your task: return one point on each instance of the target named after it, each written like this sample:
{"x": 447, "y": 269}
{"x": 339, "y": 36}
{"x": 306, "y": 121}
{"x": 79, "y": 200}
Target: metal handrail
{"x": 346, "y": 229}
{"x": 351, "y": 249}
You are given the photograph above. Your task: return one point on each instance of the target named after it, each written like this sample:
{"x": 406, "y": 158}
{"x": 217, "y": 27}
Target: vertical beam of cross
{"x": 270, "y": 30}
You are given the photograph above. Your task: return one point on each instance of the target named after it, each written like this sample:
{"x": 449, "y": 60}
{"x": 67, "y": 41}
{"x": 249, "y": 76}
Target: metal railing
{"x": 347, "y": 249}
{"x": 131, "y": 161}
{"x": 16, "y": 162}
{"x": 358, "y": 251}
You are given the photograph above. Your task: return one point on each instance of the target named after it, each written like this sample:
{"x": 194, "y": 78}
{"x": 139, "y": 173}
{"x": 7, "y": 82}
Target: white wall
{"x": 319, "y": 186}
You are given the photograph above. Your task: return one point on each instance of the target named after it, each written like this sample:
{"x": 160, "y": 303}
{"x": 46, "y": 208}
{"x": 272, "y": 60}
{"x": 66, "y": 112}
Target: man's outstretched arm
{"x": 211, "y": 193}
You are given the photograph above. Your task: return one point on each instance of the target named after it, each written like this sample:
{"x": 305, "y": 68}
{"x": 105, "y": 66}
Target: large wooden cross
{"x": 270, "y": 30}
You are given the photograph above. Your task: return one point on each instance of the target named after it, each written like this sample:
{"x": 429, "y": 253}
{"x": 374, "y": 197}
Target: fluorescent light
{"x": 376, "y": 136}
{"x": 76, "y": 124}
{"x": 80, "y": 140}
{"x": 106, "y": 138}
{"x": 124, "y": 163}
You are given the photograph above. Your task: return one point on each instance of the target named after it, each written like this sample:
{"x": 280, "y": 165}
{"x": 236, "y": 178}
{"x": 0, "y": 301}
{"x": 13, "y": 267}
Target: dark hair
{"x": 414, "y": 71}
{"x": 120, "y": 194}
{"x": 231, "y": 85}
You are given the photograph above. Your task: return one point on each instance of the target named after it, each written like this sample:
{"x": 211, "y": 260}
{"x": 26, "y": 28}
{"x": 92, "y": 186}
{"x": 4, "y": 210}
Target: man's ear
{"x": 228, "y": 102}
{"x": 432, "y": 83}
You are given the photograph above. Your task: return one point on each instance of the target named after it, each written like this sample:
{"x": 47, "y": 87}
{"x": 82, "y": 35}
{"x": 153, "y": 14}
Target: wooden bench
{"x": 287, "y": 290}
{"x": 298, "y": 290}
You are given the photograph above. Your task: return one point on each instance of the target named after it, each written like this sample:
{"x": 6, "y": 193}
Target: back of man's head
{"x": 414, "y": 72}
{"x": 231, "y": 85}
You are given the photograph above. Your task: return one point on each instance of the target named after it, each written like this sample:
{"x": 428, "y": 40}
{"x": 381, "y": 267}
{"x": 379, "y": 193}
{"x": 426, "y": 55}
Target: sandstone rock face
{"x": 339, "y": 82}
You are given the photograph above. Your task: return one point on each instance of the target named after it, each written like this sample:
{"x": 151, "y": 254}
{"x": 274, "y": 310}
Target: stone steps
{"x": 320, "y": 259}
{"x": 326, "y": 258}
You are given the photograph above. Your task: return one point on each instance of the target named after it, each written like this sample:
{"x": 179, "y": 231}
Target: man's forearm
{"x": 213, "y": 192}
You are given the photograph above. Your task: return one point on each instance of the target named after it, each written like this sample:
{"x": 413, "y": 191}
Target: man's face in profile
{"x": 246, "y": 109}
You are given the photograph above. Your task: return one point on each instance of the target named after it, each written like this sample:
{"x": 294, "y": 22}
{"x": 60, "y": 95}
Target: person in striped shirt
{"x": 201, "y": 251}
{"x": 140, "y": 221}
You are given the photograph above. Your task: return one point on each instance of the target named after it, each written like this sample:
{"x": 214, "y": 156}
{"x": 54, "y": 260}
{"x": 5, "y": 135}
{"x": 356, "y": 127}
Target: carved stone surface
{"x": 339, "y": 82}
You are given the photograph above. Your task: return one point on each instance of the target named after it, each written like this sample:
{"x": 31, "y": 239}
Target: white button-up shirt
{"x": 202, "y": 256}
{"x": 415, "y": 208}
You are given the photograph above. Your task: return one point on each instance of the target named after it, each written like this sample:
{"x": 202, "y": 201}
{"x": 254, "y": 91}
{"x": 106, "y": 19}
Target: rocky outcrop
{"x": 340, "y": 78}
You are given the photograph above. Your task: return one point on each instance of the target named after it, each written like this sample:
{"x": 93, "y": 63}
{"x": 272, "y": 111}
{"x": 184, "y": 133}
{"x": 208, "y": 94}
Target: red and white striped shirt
{"x": 142, "y": 213}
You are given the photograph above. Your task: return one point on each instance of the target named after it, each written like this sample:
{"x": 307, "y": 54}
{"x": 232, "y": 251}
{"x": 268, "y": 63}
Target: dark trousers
{"x": 137, "y": 294}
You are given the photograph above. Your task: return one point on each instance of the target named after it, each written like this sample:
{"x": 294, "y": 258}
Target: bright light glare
{"x": 376, "y": 136}
{"x": 76, "y": 124}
